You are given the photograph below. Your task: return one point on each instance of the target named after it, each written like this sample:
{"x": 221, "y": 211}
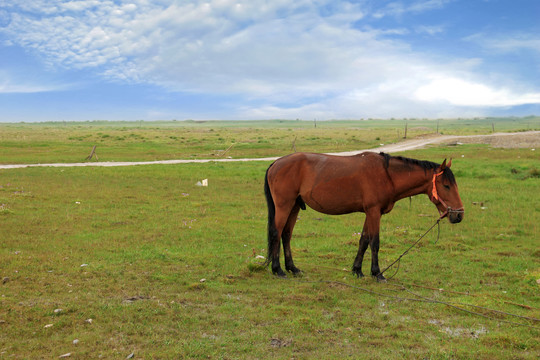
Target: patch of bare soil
{"x": 504, "y": 140}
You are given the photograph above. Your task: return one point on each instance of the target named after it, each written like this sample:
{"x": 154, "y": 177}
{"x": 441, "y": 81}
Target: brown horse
{"x": 369, "y": 182}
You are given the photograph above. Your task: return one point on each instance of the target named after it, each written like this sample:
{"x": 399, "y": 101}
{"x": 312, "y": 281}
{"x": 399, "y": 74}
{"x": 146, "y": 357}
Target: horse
{"x": 368, "y": 182}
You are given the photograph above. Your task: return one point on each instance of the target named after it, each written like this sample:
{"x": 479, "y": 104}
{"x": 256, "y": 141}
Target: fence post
{"x": 405, "y": 136}
{"x": 92, "y": 153}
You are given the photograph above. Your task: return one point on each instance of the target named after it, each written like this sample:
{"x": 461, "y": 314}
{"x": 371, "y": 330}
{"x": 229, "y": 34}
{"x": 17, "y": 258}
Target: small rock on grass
{"x": 279, "y": 343}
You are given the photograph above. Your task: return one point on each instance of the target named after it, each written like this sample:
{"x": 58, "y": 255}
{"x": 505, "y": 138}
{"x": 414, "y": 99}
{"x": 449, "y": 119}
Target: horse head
{"x": 444, "y": 193}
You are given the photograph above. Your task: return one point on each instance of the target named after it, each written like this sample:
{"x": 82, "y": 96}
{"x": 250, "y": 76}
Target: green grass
{"x": 129, "y": 248}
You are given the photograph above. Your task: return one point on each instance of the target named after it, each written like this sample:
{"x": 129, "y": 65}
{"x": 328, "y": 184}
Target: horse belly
{"x": 334, "y": 200}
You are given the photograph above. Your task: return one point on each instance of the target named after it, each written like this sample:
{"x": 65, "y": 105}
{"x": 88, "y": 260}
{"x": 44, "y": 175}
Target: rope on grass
{"x": 471, "y": 305}
{"x": 401, "y": 286}
{"x": 426, "y": 300}
{"x": 398, "y": 260}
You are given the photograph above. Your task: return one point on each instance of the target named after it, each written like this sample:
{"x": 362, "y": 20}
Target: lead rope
{"x": 438, "y": 231}
{"x": 410, "y": 247}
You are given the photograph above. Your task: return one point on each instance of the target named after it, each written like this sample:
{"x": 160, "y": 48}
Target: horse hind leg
{"x": 286, "y": 238}
{"x": 280, "y": 223}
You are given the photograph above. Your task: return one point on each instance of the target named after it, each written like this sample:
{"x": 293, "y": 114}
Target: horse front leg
{"x": 362, "y": 247}
{"x": 370, "y": 236}
{"x": 375, "y": 269}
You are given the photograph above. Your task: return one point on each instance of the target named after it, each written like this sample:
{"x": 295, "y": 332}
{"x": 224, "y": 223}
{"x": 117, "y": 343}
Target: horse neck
{"x": 410, "y": 181}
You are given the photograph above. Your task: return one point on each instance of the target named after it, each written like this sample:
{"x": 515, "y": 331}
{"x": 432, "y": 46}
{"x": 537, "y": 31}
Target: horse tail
{"x": 272, "y": 230}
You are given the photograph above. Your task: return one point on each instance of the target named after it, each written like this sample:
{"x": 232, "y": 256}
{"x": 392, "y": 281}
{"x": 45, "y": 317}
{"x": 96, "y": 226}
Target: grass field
{"x": 140, "y": 262}
{"x": 146, "y": 141}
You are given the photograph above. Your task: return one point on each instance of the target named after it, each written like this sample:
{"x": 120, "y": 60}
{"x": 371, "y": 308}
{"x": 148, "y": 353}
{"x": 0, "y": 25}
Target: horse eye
{"x": 447, "y": 187}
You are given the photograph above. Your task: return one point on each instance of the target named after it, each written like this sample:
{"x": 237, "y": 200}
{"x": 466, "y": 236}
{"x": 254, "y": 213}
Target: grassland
{"x": 147, "y": 141}
{"x": 109, "y": 262}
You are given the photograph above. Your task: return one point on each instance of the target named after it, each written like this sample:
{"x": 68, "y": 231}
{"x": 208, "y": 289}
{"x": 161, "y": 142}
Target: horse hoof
{"x": 358, "y": 274}
{"x": 381, "y": 278}
{"x": 295, "y": 271}
{"x": 298, "y": 273}
{"x": 280, "y": 273}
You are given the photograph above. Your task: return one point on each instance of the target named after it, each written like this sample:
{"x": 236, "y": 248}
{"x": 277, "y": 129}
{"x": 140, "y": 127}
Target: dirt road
{"x": 522, "y": 139}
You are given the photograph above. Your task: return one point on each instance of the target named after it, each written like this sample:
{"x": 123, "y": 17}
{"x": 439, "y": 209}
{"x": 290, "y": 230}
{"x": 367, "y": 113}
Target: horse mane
{"x": 423, "y": 164}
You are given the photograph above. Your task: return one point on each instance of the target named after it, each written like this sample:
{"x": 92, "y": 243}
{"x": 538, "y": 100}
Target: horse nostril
{"x": 456, "y": 217}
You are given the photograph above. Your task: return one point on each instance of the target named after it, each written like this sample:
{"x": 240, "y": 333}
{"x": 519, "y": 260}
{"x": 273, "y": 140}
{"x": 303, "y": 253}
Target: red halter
{"x": 434, "y": 194}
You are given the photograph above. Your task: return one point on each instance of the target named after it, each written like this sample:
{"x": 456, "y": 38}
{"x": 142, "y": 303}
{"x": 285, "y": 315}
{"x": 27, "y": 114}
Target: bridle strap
{"x": 435, "y": 197}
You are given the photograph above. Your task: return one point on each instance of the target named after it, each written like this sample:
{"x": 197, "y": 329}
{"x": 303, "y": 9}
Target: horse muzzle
{"x": 455, "y": 216}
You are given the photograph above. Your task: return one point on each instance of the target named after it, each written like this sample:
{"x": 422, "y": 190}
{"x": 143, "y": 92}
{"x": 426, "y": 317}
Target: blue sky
{"x": 255, "y": 59}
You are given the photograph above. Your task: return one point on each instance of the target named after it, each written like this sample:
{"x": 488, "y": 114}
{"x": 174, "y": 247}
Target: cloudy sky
{"x": 256, "y": 59}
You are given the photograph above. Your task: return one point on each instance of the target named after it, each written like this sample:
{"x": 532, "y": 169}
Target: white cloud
{"x": 507, "y": 43}
{"x": 429, "y": 30}
{"x": 398, "y": 8}
{"x": 464, "y": 93}
{"x": 221, "y": 46}
{"x": 10, "y": 85}
{"x": 6, "y": 88}
{"x": 425, "y": 5}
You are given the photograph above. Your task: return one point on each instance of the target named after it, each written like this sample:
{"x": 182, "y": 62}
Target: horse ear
{"x": 449, "y": 163}
{"x": 443, "y": 165}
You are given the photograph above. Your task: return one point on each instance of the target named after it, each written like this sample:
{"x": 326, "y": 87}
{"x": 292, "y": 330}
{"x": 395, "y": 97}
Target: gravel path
{"x": 521, "y": 139}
